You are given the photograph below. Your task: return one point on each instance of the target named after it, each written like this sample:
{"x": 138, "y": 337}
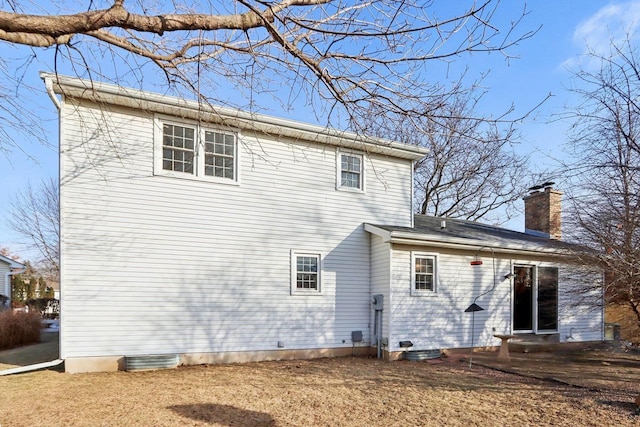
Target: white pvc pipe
{"x": 29, "y": 368}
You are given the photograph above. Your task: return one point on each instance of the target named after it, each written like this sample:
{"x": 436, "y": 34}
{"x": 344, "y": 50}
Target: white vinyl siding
{"x": 441, "y": 322}
{"x": 580, "y": 314}
{"x": 5, "y": 283}
{"x": 154, "y": 264}
{"x": 381, "y": 281}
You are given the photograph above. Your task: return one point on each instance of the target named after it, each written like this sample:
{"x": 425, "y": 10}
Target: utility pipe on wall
{"x": 378, "y": 305}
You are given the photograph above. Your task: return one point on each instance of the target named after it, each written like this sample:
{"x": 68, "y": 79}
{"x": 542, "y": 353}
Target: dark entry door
{"x": 523, "y": 298}
{"x": 547, "y": 299}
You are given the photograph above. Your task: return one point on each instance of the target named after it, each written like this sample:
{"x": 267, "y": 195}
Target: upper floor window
{"x": 219, "y": 154}
{"x": 350, "y": 171}
{"x": 190, "y": 151}
{"x": 178, "y": 148}
{"x": 423, "y": 274}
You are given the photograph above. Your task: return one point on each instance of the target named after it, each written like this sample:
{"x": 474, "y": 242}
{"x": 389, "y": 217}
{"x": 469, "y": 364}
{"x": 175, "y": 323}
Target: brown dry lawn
{"x": 337, "y": 392}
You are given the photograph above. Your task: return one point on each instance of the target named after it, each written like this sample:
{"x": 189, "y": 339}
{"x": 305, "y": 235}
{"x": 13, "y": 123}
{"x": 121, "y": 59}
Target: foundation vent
{"x": 149, "y": 362}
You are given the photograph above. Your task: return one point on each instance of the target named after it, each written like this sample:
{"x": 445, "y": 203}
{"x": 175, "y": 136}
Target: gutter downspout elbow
{"x": 48, "y": 83}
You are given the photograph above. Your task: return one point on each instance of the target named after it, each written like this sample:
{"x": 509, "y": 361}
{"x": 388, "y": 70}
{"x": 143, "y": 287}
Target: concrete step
{"x": 529, "y": 343}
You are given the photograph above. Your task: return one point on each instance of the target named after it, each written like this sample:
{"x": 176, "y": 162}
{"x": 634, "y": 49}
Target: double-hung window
{"x": 423, "y": 274}
{"x": 305, "y": 273}
{"x": 350, "y": 171}
{"x": 219, "y": 154}
{"x": 191, "y": 151}
{"x": 178, "y": 148}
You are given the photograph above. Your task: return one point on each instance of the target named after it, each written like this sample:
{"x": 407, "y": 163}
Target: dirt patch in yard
{"x": 326, "y": 392}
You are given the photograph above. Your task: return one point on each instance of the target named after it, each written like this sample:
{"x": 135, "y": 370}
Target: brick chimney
{"x": 542, "y": 213}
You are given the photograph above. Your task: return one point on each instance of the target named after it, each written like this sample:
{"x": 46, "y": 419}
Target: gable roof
{"x": 461, "y": 234}
{"x": 105, "y": 93}
{"x": 12, "y": 263}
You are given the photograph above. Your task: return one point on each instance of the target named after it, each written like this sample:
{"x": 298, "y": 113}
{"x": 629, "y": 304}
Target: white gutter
{"x": 414, "y": 239}
{"x": 153, "y": 102}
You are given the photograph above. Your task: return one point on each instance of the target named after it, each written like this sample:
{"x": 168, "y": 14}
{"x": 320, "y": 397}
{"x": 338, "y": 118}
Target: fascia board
{"x": 404, "y": 238}
{"x": 386, "y": 235}
{"x": 269, "y": 125}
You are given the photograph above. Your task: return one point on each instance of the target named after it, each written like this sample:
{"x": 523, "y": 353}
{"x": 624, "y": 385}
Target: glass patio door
{"x": 535, "y": 299}
{"x": 523, "y": 292}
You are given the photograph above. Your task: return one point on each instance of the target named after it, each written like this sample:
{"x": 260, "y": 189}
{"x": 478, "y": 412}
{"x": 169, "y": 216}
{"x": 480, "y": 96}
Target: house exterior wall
{"x": 439, "y": 321}
{"x": 381, "y": 281}
{"x": 153, "y": 264}
{"x": 581, "y": 312}
{"x": 5, "y": 280}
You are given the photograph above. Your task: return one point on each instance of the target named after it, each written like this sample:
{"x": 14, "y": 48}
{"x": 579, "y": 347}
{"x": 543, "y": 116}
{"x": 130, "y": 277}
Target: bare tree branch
{"x": 471, "y": 171}
{"x": 34, "y": 214}
{"x": 605, "y": 205}
{"x": 345, "y": 57}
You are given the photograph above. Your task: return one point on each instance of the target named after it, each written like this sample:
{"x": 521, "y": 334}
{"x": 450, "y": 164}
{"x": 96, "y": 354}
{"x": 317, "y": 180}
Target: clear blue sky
{"x": 568, "y": 27}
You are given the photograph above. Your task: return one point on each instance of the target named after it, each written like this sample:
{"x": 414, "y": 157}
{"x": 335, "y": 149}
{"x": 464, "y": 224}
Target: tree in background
{"x": 342, "y": 58}
{"x": 27, "y": 285}
{"x": 471, "y": 171}
{"x": 34, "y": 214}
{"x": 605, "y": 203}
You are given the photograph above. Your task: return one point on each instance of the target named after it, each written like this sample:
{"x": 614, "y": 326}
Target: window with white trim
{"x": 423, "y": 274}
{"x": 350, "y": 171}
{"x": 192, "y": 151}
{"x": 219, "y": 154}
{"x": 305, "y": 273}
{"x": 178, "y": 148}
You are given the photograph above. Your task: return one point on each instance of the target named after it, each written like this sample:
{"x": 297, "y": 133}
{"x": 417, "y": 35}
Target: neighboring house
{"x": 8, "y": 267}
{"x": 218, "y": 236}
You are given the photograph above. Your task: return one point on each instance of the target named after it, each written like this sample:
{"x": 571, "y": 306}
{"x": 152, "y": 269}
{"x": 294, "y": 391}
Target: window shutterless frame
{"x": 424, "y": 274}
{"x": 350, "y": 174}
{"x": 190, "y": 150}
{"x": 306, "y": 273}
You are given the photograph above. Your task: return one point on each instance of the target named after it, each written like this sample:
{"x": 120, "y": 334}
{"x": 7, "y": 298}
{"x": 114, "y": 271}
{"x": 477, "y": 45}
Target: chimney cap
{"x": 547, "y": 185}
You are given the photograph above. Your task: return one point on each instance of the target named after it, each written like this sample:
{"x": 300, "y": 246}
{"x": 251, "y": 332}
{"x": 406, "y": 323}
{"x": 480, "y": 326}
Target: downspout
{"x": 604, "y": 303}
{"x": 7, "y": 283}
{"x": 413, "y": 183}
{"x": 48, "y": 83}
